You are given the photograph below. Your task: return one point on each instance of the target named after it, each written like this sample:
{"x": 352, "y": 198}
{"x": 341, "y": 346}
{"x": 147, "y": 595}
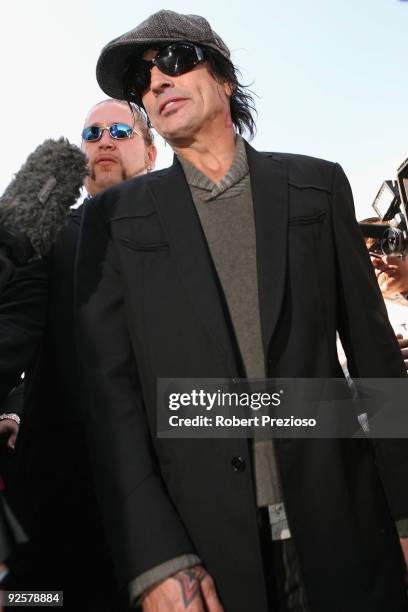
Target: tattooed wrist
{"x": 189, "y": 583}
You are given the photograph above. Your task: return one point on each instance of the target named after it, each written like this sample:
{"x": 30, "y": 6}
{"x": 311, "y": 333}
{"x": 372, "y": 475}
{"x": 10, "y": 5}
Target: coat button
{"x": 238, "y": 464}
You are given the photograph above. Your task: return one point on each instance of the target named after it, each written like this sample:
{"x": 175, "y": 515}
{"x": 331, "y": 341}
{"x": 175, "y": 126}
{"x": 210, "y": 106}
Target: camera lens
{"x": 392, "y": 242}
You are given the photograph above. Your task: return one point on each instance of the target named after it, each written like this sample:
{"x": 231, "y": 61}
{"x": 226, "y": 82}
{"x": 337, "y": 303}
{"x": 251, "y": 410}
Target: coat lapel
{"x": 269, "y": 186}
{"x": 178, "y": 215}
{"x": 176, "y": 209}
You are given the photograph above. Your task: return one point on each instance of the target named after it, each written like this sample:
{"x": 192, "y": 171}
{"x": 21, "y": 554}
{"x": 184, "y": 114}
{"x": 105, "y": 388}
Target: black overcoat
{"x": 150, "y": 306}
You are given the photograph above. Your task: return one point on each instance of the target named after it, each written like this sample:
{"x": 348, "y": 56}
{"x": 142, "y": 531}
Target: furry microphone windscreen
{"x": 36, "y": 202}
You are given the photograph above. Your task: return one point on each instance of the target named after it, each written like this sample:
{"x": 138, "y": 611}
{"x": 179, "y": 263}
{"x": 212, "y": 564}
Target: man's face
{"x": 392, "y": 274}
{"x": 183, "y": 107}
{"x": 111, "y": 161}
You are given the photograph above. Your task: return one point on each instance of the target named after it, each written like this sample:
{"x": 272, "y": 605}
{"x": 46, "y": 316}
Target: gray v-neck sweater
{"x": 226, "y": 213}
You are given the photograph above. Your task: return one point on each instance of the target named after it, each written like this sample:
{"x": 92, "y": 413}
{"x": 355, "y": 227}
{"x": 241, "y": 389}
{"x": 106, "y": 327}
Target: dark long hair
{"x": 242, "y": 105}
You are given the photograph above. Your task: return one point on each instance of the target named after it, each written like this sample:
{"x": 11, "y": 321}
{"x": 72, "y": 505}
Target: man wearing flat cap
{"x": 208, "y": 269}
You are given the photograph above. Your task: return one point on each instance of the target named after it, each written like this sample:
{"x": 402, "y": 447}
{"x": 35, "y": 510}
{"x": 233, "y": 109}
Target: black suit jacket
{"x": 50, "y": 484}
{"x": 50, "y": 429}
{"x": 150, "y": 306}
{"x": 22, "y": 321}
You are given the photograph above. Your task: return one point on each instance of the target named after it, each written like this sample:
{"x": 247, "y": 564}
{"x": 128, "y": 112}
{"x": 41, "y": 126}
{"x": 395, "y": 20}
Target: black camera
{"x": 390, "y": 234}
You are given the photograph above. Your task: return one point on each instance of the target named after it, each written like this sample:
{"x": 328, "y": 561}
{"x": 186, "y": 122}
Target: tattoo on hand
{"x": 189, "y": 581}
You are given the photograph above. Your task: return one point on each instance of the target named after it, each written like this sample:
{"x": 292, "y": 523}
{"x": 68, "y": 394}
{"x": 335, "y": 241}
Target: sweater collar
{"x": 238, "y": 170}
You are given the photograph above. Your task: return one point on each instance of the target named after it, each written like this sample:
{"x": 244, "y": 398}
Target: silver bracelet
{"x": 10, "y": 415}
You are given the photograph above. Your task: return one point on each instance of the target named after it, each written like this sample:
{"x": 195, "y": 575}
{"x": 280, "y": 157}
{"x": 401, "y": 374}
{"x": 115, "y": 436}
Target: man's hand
{"x": 3, "y": 571}
{"x": 403, "y": 342}
{"x": 191, "y": 589}
{"x": 392, "y": 274}
{"x": 9, "y": 431}
{"x": 404, "y": 546}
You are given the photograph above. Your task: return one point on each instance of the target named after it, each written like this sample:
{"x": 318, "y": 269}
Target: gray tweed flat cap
{"x": 161, "y": 27}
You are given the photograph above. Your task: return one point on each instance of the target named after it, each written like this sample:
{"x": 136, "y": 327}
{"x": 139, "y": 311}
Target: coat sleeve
{"x": 23, "y": 304}
{"x": 143, "y": 527}
{"x": 13, "y": 403}
{"x": 367, "y": 336}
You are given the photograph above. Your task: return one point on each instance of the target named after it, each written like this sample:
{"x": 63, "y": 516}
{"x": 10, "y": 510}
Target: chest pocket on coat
{"x": 144, "y": 246}
{"x": 309, "y": 219}
{"x": 141, "y": 233}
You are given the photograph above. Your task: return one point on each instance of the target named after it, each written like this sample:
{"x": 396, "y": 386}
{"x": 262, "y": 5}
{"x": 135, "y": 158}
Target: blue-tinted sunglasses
{"x": 119, "y": 131}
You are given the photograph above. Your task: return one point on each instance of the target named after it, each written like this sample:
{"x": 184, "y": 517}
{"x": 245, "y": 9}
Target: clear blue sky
{"x": 331, "y": 76}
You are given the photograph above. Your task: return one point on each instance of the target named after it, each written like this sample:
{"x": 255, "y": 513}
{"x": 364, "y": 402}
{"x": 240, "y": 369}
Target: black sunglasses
{"x": 173, "y": 60}
{"x": 119, "y": 131}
